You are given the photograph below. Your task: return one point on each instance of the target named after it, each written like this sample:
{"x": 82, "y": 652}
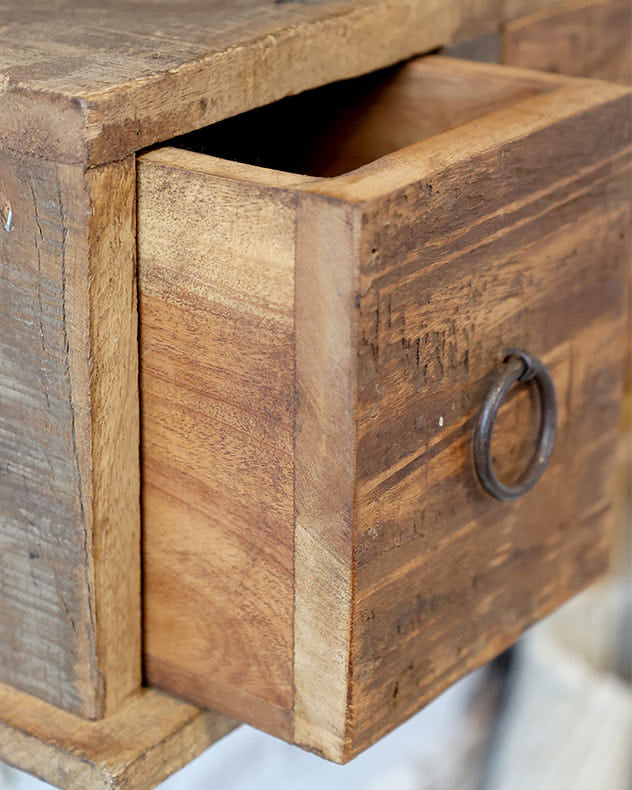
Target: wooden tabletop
{"x": 81, "y": 80}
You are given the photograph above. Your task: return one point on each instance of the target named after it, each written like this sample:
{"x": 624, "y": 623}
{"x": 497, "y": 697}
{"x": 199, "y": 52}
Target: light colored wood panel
{"x": 147, "y": 740}
{"x": 114, "y": 428}
{"x": 583, "y": 38}
{"x": 216, "y": 273}
{"x": 326, "y": 348}
{"x": 69, "y": 526}
{"x": 103, "y": 86}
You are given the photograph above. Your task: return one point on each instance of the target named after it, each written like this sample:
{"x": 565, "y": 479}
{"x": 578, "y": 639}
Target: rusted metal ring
{"x": 518, "y": 366}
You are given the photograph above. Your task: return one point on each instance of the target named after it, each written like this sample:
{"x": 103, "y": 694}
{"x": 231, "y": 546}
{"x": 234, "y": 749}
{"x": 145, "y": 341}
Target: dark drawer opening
{"x": 331, "y": 130}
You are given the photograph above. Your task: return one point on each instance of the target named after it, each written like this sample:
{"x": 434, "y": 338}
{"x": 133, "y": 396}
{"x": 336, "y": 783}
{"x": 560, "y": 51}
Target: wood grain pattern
{"x": 324, "y": 470}
{"x": 80, "y": 87}
{"x": 217, "y": 371}
{"x": 447, "y": 578}
{"x": 493, "y": 244}
{"x": 80, "y": 92}
{"x": 69, "y": 513}
{"x": 587, "y": 38}
{"x": 100, "y": 86}
{"x": 583, "y": 38}
{"x": 341, "y": 127}
{"x": 412, "y": 275}
{"x": 147, "y": 740}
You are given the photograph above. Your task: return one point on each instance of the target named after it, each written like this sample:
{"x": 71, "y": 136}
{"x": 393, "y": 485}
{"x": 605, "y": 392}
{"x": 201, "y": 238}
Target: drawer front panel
{"x": 520, "y": 247}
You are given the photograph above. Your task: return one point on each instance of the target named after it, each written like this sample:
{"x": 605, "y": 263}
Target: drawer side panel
{"x": 216, "y": 274}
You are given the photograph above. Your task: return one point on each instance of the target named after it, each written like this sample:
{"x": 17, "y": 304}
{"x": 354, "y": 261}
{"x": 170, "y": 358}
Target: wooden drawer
{"x": 328, "y": 287}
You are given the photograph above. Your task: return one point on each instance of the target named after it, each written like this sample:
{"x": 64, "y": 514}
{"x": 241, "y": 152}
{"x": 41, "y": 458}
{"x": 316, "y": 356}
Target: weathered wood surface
{"x": 216, "y": 284}
{"x": 413, "y": 275}
{"x": 69, "y": 486}
{"x": 147, "y": 740}
{"x": 82, "y": 86}
{"x": 446, "y": 578}
{"x": 587, "y": 38}
{"x": 583, "y": 38}
{"x": 85, "y": 82}
{"x": 324, "y": 472}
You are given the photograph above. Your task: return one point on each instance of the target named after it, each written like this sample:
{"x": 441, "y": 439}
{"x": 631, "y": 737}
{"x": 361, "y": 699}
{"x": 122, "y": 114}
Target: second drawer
{"x": 328, "y": 288}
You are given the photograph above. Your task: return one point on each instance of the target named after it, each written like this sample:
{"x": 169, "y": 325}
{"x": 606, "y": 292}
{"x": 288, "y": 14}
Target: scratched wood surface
{"x": 88, "y": 82}
{"x": 583, "y": 38}
{"x": 446, "y": 578}
{"x": 81, "y": 87}
{"x": 587, "y": 38}
{"x": 84, "y": 86}
{"x": 69, "y": 514}
{"x": 150, "y": 737}
{"x": 498, "y": 241}
{"x": 413, "y": 274}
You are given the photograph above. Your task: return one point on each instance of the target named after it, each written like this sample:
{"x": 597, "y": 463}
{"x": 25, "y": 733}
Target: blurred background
{"x": 554, "y": 713}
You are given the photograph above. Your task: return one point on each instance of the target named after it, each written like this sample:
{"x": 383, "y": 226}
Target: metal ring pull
{"x": 518, "y": 366}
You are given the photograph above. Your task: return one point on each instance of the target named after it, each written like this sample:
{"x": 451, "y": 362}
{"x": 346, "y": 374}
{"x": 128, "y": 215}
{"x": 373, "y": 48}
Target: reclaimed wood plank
{"x": 147, "y": 71}
{"x": 582, "y": 38}
{"x": 69, "y": 483}
{"x": 413, "y": 274}
{"x": 454, "y": 267}
{"x": 136, "y": 748}
{"x": 217, "y": 372}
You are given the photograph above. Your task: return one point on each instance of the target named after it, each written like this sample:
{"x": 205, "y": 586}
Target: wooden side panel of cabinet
{"x": 69, "y": 486}
{"x": 581, "y": 38}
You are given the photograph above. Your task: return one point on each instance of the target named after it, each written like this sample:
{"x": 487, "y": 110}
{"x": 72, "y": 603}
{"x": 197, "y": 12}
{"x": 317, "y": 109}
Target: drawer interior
{"x": 331, "y": 130}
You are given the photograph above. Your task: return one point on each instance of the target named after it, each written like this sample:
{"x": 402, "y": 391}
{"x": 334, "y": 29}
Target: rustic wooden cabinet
{"x": 245, "y": 345}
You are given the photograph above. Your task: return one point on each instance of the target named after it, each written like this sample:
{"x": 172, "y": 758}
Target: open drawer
{"x": 329, "y": 287}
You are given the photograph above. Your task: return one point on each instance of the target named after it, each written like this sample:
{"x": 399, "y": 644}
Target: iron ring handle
{"x": 518, "y": 366}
